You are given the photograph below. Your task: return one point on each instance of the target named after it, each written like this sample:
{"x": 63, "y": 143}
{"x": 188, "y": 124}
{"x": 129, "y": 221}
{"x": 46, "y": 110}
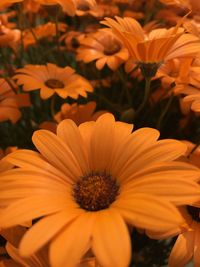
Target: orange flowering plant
{"x": 99, "y": 133}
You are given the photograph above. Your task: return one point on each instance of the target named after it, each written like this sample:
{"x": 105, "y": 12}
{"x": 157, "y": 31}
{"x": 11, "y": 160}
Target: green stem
{"x": 57, "y": 28}
{"x": 193, "y": 150}
{"x": 52, "y": 105}
{"x": 125, "y": 90}
{"x": 164, "y": 112}
{"x": 21, "y": 27}
{"x": 146, "y": 95}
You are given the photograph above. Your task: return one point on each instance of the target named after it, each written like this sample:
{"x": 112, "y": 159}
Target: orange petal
{"x": 183, "y": 249}
{"x": 148, "y": 212}
{"x": 49, "y": 227}
{"x": 110, "y": 232}
{"x": 72, "y": 242}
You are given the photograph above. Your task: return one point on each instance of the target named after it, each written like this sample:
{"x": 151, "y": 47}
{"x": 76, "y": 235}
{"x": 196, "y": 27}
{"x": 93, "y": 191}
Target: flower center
{"x": 83, "y": 7}
{"x": 194, "y": 212}
{"x": 54, "y": 83}
{"x": 112, "y": 49}
{"x": 95, "y": 191}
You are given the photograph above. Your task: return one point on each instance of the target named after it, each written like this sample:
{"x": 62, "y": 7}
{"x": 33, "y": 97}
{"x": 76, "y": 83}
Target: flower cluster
{"x": 100, "y": 133}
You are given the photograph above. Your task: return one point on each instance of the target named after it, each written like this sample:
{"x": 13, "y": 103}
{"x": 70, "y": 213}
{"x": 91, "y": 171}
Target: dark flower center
{"x": 54, "y": 83}
{"x": 95, "y": 191}
{"x": 75, "y": 43}
{"x": 112, "y": 49}
{"x": 194, "y": 212}
{"x": 83, "y": 7}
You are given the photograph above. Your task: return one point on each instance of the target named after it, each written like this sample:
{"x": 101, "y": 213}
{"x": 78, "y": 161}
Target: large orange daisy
{"x": 51, "y": 79}
{"x": 155, "y": 47}
{"x": 99, "y": 176}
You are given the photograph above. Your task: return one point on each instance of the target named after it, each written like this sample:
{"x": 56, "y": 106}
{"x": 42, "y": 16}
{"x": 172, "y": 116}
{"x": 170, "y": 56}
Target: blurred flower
{"x": 75, "y": 112}
{"x": 72, "y": 40}
{"x": 184, "y": 3}
{"x": 87, "y": 7}
{"x": 11, "y": 101}
{"x": 168, "y": 16}
{"x": 78, "y": 113}
{"x": 6, "y": 3}
{"x": 103, "y": 47}
{"x": 187, "y": 245}
{"x": 68, "y": 6}
{"x": 99, "y": 176}
{"x": 8, "y": 37}
{"x": 132, "y": 14}
{"x": 105, "y": 9}
{"x": 13, "y": 235}
{"x": 187, "y": 82}
{"x": 51, "y": 79}
{"x": 31, "y": 37}
{"x": 4, "y": 19}
{"x": 31, "y": 6}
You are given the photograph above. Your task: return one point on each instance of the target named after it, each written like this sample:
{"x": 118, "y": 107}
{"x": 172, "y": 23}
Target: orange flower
{"x": 68, "y": 6}
{"x": 72, "y": 40}
{"x": 87, "y": 7}
{"x": 157, "y": 46}
{"x": 8, "y": 37}
{"x": 78, "y": 113}
{"x": 99, "y": 176}
{"x": 30, "y": 37}
{"x": 5, "y": 3}
{"x": 31, "y": 6}
{"x": 10, "y": 101}
{"x": 103, "y": 47}
{"x": 187, "y": 245}
{"x": 187, "y": 82}
{"x": 51, "y": 79}
{"x": 183, "y": 3}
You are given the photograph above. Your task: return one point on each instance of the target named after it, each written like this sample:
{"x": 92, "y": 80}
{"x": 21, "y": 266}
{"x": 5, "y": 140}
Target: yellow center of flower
{"x": 54, "y": 83}
{"x": 112, "y": 49}
{"x": 194, "y": 213}
{"x": 95, "y": 191}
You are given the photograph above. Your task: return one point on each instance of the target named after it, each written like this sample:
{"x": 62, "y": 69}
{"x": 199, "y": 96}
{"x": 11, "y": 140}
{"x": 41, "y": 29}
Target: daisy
{"x": 75, "y": 112}
{"x": 86, "y": 7}
{"x": 68, "y": 6}
{"x": 51, "y": 79}
{"x": 78, "y": 113}
{"x": 40, "y": 32}
{"x": 187, "y": 245}
{"x": 99, "y": 176}
{"x": 9, "y": 37}
{"x": 10, "y": 101}
{"x": 103, "y": 47}
{"x": 152, "y": 49}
